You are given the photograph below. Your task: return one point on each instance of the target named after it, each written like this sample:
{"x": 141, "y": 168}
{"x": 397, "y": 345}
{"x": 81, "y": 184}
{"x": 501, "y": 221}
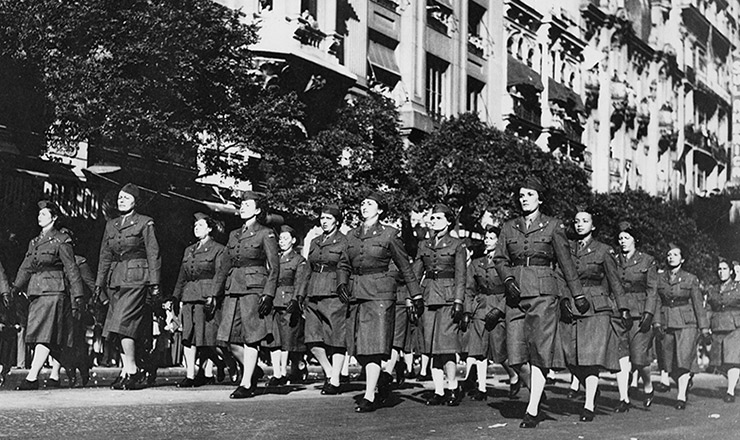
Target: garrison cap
{"x": 532, "y": 182}
{"x": 441, "y": 207}
{"x": 47, "y": 204}
{"x": 333, "y": 210}
{"x": 200, "y": 216}
{"x": 251, "y": 195}
{"x": 131, "y": 189}
{"x": 288, "y": 229}
{"x": 379, "y": 198}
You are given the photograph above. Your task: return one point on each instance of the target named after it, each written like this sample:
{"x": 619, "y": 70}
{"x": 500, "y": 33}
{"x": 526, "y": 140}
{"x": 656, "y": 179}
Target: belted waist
{"x": 591, "y": 283}
{"x": 531, "y": 261}
{"x": 727, "y": 308}
{"x": 360, "y": 271}
{"x": 249, "y": 262}
{"x": 286, "y": 282}
{"x": 129, "y": 256}
{"x": 635, "y": 292}
{"x": 44, "y": 268}
{"x": 675, "y": 302}
{"x": 201, "y": 276}
{"x": 320, "y": 267}
{"x": 439, "y": 275}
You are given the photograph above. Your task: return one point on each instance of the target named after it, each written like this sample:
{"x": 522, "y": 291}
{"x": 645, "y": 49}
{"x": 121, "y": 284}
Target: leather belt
{"x": 439, "y": 275}
{"x": 676, "y": 302}
{"x": 727, "y": 308}
{"x": 531, "y": 261}
{"x": 360, "y": 271}
{"x": 249, "y": 262}
{"x": 320, "y": 268}
{"x": 126, "y": 257}
{"x": 591, "y": 283}
{"x": 203, "y": 276}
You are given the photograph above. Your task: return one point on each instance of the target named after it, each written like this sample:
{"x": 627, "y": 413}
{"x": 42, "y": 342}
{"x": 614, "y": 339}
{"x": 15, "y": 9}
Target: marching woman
{"x": 52, "y": 281}
{"x": 129, "y": 268}
{"x": 593, "y": 345}
{"x": 441, "y": 264}
{"x": 250, "y": 271}
{"x": 527, "y": 251}
{"x": 681, "y": 317}
{"x": 487, "y": 327}
{"x": 326, "y": 315}
{"x": 364, "y": 277}
{"x": 638, "y": 303}
{"x": 724, "y": 302}
{"x": 195, "y": 289}
{"x": 287, "y": 319}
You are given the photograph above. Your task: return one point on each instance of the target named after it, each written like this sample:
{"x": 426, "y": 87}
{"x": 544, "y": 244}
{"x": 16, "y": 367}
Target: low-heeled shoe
{"x": 623, "y": 407}
{"x": 587, "y": 415}
{"x": 514, "y": 388}
{"x": 242, "y": 393}
{"x": 680, "y": 404}
{"x": 729, "y": 398}
{"x": 365, "y": 406}
{"x": 331, "y": 390}
{"x": 435, "y": 400}
{"x": 648, "y": 401}
{"x": 479, "y": 396}
{"x": 529, "y": 421}
{"x": 186, "y": 383}
{"x": 28, "y": 385}
{"x": 661, "y": 387}
{"x": 455, "y": 397}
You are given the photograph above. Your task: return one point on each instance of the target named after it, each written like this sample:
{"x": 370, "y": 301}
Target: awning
{"x": 564, "y": 94}
{"x": 521, "y": 74}
{"x": 37, "y": 167}
{"x": 382, "y": 57}
{"x": 446, "y": 3}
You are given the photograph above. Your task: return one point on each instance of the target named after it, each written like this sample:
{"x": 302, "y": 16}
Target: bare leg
{"x": 128, "y": 356}
{"x": 647, "y": 382}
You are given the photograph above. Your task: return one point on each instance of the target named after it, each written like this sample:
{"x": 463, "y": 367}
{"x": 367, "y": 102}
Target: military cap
{"x": 379, "y": 198}
{"x": 493, "y": 228}
{"x": 288, "y": 229}
{"x": 333, "y": 210}
{"x": 532, "y": 182}
{"x": 200, "y": 216}
{"x": 131, "y": 189}
{"x": 251, "y": 195}
{"x": 47, "y": 204}
{"x": 441, "y": 207}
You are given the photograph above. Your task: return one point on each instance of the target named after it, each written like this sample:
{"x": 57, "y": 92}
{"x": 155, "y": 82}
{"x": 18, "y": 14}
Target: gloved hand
{"x": 566, "y": 312}
{"x": 293, "y": 306}
{"x": 343, "y": 293}
{"x": 646, "y": 322}
{"x": 7, "y": 298}
{"x": 626, "y": 319}
{"x": 411, "y": 313}
{"x": 493, "y": 318}
{"x": 465, "y": 321}
{"x": 513, "y": 293}
{"x": 458, "y": 310}
{"x": 77, "y": 309}
{"x": 706, "y": 337}
{"x": 210, "y": 308}
{"x": 156, "y": 295}
{"x": 582, "y": 304}
{"x": 265, "y": 306}
{"x": 418, "y": 306}
{"x": 97, "y": 295}
{"x": 658, "y": 331}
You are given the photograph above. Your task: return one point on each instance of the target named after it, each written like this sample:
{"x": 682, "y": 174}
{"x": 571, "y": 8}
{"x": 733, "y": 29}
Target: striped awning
{"x": 382, "y": 57}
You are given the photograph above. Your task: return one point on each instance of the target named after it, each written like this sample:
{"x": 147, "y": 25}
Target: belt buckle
{"x": 528, "y": 261}
{"x": 321, "y": 268}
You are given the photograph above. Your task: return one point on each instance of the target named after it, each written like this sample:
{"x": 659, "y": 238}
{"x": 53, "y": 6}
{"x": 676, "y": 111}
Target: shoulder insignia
{"x": 270, "y": 234}
{"x": 562, "y": 226}
{"x": 661, "y": 270}
{"x": 150, "y": 223}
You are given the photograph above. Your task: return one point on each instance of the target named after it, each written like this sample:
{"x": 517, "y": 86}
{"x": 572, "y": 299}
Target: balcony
{"x": 615, "y": 165}
{"x": 525, "y": 113}
{"x": 476, "y": 46}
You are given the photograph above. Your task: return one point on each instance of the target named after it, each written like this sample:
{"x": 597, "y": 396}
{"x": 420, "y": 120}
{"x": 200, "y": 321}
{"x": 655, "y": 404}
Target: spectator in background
{"x": 724, "y": 303}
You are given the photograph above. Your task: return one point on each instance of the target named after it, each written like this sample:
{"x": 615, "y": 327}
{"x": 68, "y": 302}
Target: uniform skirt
{"x": 50, "y": 321}
{"x": 371, "y": 327}
{"x": 679, "y": 350}
{"x": 441, "y": 335}
{"x": 725, "y": 349}
{"x": 497, "y": 344}
{"x": 196, "y": 330}
{"x": 633, "y": 343}
{"x": 474, "y": 340}
{"x": 326, "y": 321}
{"x": 288, "y": 331}
{"x": 241, "y": 323}
{"x": 126, "y": 312}
{"x": 402, "y": 330}
{"x": 532, "y": 336}
{"x": 590, "y": 341}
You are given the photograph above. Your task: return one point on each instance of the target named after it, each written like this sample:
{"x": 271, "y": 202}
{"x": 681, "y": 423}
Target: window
{"x": 436, "y": 87}
{"x": 474, "y": 102}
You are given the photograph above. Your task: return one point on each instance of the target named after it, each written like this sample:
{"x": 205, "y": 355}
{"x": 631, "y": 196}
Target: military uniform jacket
{"x": 529, "y": 256}
{"x": 4, "y": 285}
{"x": 251, "y": 265}
{"x": 129, "y": 253}
{"x": 485, "y": 289}
{"x": 87, "y": 276}
{"x": 681, "y": 301}
{"x": 366, "y": 263}
{"x": 48, "y": 261}
{"x": 639, "y": 278}
{"x": 323, "y": 258}
{"x": 294, "y": 274}
{"x": 442, "y": 267}
{"x": 724, "y": 303}
{"x": 198, "y": 269}
{"x": 597, "y": 270}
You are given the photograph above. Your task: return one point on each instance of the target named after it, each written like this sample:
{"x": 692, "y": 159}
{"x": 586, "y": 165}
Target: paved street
{"x": 302, "y": 412}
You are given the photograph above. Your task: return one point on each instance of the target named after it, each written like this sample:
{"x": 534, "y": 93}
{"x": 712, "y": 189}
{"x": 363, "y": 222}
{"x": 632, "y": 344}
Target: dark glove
{"x": 265, "y": 306}
{"x": 706, "y": 337}
{"x": 513, "y": 293}
{"x": 7, "y": 299}
{"x": 582, "y": 304}
{"x": 658, "y": 332}
{"x": 210, "y": 308}
{"x": 293, "y": 306}
{"x": 458, "y": 310}
{"x": 418, "y": 306}
{"x": 626, "y": 319}
{"x": 411, "y": 314}
{"x": 646, "y": 322}
{"x": 156, "y": 295}
{"x": 465, "y": 321}
{"x": 566, "y": 312}
{"x": 493, "y": 318}
{"x": 343, "y": 293}
{"x": 97, "y": 294}
{"x": 77, "y": 309}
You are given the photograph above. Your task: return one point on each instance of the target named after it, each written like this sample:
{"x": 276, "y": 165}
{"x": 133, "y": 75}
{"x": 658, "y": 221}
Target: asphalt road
{"x": 301, "y": 412}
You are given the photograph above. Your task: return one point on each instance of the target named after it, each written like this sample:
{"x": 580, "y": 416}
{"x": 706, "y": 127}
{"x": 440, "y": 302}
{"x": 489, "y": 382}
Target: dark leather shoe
{"x": 220, "y": 374}
{"x": 623, "y": 407}
{"x": 479, "y": 396}
{"x": 116, "y": 384}
{"x": 455, "y": 397}
{"x": 729, "y": 398}
{"x": 242, "y": 393}
{"x": 274, "y": 381}
{"x": 514, "y": 388}
{"x": 424, "y": 377}
{"x": 85, "y": 376}
{"x": 648, "y": 401}
{"x": 186, "y": 383}
{"x": 661, "y": 387}
{"x": 529, "y": 421}
{"x": 680, "y": 404}
{"x": 257, "y": 375}
{"x": 572, "y": 394}
{"x": 365, "y": 406}
{"x": 331, "y": 390}
{"x": 52, "y": 383}
{"x": 203, "y": 380}
{"x": 587, "y": 416}
{"x": 344, "y": 378}
{"x": 400, "y": 371}
{"x": 27, "y": 385}
{"x": 435, "y": 400}
{"x": 384, "y": 385}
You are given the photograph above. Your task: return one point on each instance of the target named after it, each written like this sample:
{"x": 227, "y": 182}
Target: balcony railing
{"x": 614, "y": 166}
{"x": 308, "y": 35}
{"x": 526, "y": 114}
{"x": 476, "y": 46}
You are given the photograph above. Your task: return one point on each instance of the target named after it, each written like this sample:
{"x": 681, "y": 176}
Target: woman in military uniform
{"x": 527, "y": 251}
{"x": 487, "y": 304}
{"x": 129, "y": 268}
{"x": 53, "y": 284}
{"x": 681, "y": 317}
{"x": 286, "y": 315}
{"x": 724, "y": 303}
{"x": 593, "y": 346}
{"x": 326, "y": 315}
{"x": 195, "y": 289}
{"x": 250, "y": 271}
{"x": 441, "y": 264}
{"x": 638, "y": 303}
{"x": 365, "y": 278}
